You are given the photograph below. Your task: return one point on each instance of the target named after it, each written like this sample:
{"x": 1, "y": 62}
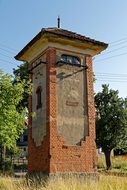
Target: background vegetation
{"x": 119, "y": 164}
{"x": 12, "y": 116}
{"x": 111, "y": 122}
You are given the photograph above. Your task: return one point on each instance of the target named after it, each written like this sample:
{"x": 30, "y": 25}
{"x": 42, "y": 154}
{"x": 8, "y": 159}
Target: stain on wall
{"x": 72, "y": 117}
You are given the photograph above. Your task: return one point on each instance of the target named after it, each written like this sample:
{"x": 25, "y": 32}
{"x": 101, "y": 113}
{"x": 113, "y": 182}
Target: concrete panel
{"x": 71, "y": 104}
{"x": 39, "y": 118}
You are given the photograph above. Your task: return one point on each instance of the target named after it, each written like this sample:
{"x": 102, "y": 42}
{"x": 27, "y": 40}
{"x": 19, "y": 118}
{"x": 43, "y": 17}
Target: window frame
{"x": 66, "y": 57}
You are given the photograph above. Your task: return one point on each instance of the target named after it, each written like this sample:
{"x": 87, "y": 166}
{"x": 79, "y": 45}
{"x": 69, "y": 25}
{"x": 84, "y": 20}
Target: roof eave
{"x": 102, "y": 45}
{"x": 19, "y": 55}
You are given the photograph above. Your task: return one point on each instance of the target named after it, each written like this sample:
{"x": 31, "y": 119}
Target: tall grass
{"x": 71, "y": 183}
{"x": 105, "y": 183}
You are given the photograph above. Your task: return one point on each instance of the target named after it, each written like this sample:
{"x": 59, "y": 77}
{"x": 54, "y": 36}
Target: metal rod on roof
{"x": 58, "y": 19}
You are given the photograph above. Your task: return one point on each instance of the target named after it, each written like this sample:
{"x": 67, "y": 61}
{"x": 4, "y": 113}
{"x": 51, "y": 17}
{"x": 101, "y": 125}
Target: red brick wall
{"x": 53, "y": 156}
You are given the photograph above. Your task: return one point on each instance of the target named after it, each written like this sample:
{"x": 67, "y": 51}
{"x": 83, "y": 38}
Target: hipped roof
{"x": 63, "y": 34}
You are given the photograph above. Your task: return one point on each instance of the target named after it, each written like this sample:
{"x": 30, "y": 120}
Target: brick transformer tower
{"x": 62, "y": 132}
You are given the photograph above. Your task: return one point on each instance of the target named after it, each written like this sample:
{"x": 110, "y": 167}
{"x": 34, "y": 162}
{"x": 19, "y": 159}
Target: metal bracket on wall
{"x": 61, "y": 63}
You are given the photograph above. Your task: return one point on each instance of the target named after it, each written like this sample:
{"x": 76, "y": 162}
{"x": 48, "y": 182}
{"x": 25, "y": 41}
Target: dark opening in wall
{"x": 39, "y": 99}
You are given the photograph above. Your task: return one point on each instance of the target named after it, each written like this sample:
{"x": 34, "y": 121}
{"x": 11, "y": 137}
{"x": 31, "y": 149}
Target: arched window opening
{"x": 39, "y": 99}
{"x": 69, "y": 59}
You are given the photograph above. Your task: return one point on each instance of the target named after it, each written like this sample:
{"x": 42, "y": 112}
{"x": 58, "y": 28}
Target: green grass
{"x": 105, "y": 183}
{"x": 119, "y": 163}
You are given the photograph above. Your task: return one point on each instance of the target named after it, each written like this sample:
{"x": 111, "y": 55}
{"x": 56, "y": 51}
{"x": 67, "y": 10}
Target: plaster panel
{"x": 39, "y": 115}
{"x": 71, "y": 48}
{"x": 71, "y": 104}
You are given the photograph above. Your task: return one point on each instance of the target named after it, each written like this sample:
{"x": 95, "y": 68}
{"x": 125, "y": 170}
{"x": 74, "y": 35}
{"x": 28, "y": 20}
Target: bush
{"x": 120, "y": 163}
{"x": 101, "y": 162}
{"x": 6, "y": 167}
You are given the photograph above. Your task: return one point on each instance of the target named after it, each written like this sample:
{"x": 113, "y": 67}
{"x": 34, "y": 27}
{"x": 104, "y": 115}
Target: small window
{"x": 39, "y": 101}
{"x": 69, "y": 59}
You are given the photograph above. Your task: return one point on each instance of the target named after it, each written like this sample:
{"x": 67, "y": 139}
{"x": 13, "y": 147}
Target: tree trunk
{"x": 1, "y": 157}
{"x": 4, "y": 157}
{"x": 108, "y": 159}
{"x": 4, "y": 153}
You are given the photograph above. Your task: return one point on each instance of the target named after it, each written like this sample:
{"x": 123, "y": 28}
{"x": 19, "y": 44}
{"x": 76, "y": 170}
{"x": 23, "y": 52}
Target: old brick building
{"x": 62, "y": 132}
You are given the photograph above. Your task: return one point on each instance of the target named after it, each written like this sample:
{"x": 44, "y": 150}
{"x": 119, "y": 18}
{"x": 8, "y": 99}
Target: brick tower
{"x": 62, "y": 130}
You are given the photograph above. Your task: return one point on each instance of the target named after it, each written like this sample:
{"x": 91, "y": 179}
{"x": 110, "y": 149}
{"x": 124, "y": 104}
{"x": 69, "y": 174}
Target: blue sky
{"x": 102, "y": 20}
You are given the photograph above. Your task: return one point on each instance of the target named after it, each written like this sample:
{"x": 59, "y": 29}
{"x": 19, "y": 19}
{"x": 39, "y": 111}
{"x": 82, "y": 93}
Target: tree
{"x": 22, "y": 73}
{"x": 111, "y": 121}
{"x": 11, "y": 120}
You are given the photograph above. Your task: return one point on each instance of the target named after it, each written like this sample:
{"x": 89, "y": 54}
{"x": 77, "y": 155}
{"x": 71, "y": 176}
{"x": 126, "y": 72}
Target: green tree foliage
{"x": 22, "y": 73}
{"x": 111, "y": 121}
{"x": 11, "y": 120}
